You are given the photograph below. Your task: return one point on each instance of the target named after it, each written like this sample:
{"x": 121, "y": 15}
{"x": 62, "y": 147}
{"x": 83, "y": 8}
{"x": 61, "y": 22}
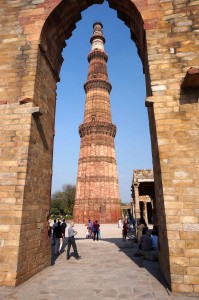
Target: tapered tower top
{"x": 97, "y": 40}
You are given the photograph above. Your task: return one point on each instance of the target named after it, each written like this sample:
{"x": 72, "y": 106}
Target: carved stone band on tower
{"x": 97, "y": 191}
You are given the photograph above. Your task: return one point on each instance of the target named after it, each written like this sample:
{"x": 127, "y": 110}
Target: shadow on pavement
{"x": 55, "y": 256}
{"x": 130, "y": 248}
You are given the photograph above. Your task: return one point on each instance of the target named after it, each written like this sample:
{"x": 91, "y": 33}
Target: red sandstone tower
{"x": 97, "y": 192}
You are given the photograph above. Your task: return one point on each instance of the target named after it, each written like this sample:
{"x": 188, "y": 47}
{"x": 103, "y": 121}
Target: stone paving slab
{"x": 107, "y": 270}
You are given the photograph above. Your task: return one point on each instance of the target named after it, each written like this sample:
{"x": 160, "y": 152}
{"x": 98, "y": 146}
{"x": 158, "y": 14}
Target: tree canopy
{"x": 62, "y": 201}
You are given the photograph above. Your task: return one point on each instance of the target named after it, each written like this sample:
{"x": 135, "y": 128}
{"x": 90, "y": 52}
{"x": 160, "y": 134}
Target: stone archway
{"x": 33, "y": 36}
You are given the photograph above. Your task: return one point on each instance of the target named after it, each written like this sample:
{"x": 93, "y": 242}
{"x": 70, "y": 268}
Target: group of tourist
{"x": 93, "y": 230}
{"x": 58, "y": 230}
{"x": 125, "y": 224}
{"x": 58, "y": 233}
{"x": 147, "y": 239}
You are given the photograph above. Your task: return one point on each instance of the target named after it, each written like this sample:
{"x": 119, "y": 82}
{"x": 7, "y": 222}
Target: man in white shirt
{"x": 71, "y": 242}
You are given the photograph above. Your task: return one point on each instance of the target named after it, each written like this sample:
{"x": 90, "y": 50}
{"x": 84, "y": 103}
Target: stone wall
{"x": 166, "y": 35}
{"x": 173, "y": 123}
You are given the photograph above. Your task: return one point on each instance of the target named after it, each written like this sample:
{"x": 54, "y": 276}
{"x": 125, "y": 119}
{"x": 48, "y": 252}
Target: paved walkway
{"x": 107, "y": 270}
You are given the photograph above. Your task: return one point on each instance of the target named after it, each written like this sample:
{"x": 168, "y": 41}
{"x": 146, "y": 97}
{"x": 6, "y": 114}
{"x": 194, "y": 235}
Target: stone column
{"x": 137, "y": 203}
{"x": 145, "y": 212}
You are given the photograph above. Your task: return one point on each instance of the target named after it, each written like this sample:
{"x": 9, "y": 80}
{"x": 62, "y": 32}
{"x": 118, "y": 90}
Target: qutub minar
{"x": 97, "y": 191}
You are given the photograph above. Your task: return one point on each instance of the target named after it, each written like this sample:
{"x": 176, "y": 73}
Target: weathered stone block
{"x": 4, "y": 228}
{"x": 172, "y": 219}
{"x": 193, "y": 271}
{"x": 173, "y": 235}
{"x": 192, "y": 253}
{"x": 182, "y": 287}
{"x": 177, "y": 244}
{"x": 192, "y": 244}
{"x": 176, "y": 252}
{"x": 191, "y": 279}
{"x": 177, "y": 278}
{"x": 194, "y": 261}
{"x": 180, "y": 261}
{"x": 192, "y": 227}
{"x": 178, "y": 269}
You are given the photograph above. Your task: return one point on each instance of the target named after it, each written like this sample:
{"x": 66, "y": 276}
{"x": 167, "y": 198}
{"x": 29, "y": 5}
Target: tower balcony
{"x": 99, "y": 54}
{"x": 96, "y": 127}
{"x": 96, "y": 83}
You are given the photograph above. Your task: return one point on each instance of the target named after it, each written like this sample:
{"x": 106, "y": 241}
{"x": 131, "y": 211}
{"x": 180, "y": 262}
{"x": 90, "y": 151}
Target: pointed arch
{"x": 55, "y": 33}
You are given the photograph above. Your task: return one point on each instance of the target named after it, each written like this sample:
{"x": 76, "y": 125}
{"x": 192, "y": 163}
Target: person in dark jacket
{"x": 58, "y": 237}
{"x": 63, "y": 227}
{"x": 124, "y": 232}
{"x": 96, "y": 230}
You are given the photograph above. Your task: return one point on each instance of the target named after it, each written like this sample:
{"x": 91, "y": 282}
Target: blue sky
{"x": 132, "y": 141}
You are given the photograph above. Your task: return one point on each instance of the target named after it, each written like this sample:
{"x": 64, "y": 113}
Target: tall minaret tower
{"x": 97, "y": 192}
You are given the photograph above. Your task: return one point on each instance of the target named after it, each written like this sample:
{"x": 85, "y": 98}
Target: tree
{"x": 62, "y": 201}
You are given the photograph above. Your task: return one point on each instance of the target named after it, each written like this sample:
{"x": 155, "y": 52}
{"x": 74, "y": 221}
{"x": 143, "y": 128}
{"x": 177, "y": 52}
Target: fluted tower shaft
{"x": 97, "y": 191}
